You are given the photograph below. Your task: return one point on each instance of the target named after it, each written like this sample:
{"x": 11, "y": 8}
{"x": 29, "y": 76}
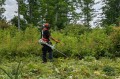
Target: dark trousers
{"x": 46, "y": 49}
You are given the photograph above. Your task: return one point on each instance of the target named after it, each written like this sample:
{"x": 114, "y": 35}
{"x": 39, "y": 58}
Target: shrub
{"x": 109, "y": 70}
{"x": 14, "y": 42}
{"x": 115, "y": 38}
{"x": 3, "y": 24}
{"x": 67, "y": 46}
{"x": 75, "y": 30}
{"x": 95, "y": 43}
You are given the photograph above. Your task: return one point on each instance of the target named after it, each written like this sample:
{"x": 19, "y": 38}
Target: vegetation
{"x": 92, "y": 53}
{"x": 82, "y": 42}
{"x": 82, "y": 45}
{"x": 60, "y": 13}
{"x": 3, "y": 24}
{"x": 111, "y": 12}
{"x": 87, "y": 11}
{"x": 77, "y": 42}
{"x": 87, "y": 68}
{"x": 2, "y": 9}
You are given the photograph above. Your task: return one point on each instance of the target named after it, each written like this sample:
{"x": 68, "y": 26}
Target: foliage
{"x": 15, "y": 72}
{"x": 111, "y": 12}
{"x": 87, "y": 11}
{"x": 79, "y": 42}
{"x": 115, "y": 37}
{"x": 19, "y": 43}
{"x": 95, "y": 43}
{"x": 3, "y": 24}
{"x": 75, "y": 30}
{"x": 14, "y": 22}
{"x": 109, "y": 70}
{"x": 62, "y": 68}
{"x": 76, "y": 41}
{"x": 2, "y": 9}
{"x": 55, "y": 12}
{"x": 30, "y": 11}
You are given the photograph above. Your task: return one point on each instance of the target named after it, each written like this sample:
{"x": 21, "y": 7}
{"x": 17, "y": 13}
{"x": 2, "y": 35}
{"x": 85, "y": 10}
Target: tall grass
{"x": 14, "y": 42}
{"x": 74, "y": 42}
{"x": 11, "y": 75}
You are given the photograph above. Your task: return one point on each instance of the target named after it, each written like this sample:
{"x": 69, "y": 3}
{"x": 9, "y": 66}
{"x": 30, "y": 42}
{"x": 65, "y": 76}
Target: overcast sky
{"x": 11, "y": 7}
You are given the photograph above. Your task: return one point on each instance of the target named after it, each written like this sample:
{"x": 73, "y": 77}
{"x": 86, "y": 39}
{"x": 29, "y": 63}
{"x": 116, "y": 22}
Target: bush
{"x": 115, "y": 38}
{"x": 96, "y": 43}
{"x": 109, "y": 70}
{"x": 67, "y": 46}
{"x": 3, "y": 24}
{"x": 14, "y": 42}
{"x": 75, "y": 30}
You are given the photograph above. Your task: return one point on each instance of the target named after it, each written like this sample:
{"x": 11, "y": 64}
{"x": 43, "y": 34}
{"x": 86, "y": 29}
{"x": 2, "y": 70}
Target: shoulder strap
{"x": 43, "y": 31}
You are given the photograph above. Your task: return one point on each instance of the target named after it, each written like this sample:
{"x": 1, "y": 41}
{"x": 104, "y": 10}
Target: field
{"x": 85, "y": 35}
{"x": 62, "y": 68}
{"x": 91, "y": 54}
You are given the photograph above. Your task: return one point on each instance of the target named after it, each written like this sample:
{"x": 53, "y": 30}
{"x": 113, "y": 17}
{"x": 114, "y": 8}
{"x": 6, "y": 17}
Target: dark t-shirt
{"x": 46, "y": 34}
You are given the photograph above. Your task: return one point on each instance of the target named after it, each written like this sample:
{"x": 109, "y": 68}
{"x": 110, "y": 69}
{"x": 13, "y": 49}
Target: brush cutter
{"x": 51, "y": 46}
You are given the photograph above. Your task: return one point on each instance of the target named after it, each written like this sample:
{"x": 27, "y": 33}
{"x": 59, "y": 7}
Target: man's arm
{"x": 54, "y": 39}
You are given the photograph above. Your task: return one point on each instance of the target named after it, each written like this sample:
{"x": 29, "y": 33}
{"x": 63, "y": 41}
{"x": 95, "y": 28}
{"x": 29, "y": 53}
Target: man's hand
{"x": 57, "y": 41}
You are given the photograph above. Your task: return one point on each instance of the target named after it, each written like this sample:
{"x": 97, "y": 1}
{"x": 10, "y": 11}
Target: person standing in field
{"x": 46, "y": 36}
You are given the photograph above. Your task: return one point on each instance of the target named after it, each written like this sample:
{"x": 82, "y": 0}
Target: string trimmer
{"x": 51, "y": 46}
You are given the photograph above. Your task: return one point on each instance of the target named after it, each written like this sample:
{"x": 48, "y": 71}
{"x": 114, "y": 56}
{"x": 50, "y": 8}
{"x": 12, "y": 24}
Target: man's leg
{"x": 44, "y": 52}
{"x": 50, "y": 54}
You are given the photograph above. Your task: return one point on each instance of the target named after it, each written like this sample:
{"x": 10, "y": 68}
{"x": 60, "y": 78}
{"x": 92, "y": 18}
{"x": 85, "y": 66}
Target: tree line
{"x": 60, "y": 13}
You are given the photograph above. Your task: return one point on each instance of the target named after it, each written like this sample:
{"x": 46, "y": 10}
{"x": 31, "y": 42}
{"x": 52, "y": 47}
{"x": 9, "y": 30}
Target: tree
{"x": 111, "y": 12}
{"x": 30, "y": 11}
{"x": 87, "y": 11}
{"x": 57, "y": 12}
{"x": 2, "y": 10}
{"x": 14, "y": 21}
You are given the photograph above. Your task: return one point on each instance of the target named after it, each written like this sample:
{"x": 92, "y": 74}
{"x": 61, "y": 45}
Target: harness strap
{"x": 44, "y": 39}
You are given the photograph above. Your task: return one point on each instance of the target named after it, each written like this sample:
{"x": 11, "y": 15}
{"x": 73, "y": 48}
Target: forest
{"x": 84, "y": 52}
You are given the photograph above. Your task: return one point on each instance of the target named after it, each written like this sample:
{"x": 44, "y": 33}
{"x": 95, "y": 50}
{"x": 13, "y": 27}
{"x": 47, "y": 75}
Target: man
{"x": 46, "y": 36}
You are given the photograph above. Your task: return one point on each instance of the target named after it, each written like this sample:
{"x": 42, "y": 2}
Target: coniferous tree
{"x": 2, "y": 10}
{"x": 57, "y": 12}
{"x": 111, "y": 12}
{"x": 87, "y": 11}
{"x": 30, "y": 11}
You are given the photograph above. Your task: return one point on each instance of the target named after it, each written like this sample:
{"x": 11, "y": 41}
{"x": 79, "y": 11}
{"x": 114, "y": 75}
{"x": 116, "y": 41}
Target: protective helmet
{"x": 47, "y": 25}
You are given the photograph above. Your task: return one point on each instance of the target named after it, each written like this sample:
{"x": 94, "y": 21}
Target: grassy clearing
{"x": 21, "y": 46}
{"x": 87, "y": 68}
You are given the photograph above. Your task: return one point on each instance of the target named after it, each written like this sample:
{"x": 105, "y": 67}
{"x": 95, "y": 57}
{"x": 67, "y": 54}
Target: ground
{"x": 62, "y": 68}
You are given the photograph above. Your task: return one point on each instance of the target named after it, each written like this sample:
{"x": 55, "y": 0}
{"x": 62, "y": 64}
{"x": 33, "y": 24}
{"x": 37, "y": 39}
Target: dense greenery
{"x": 56, "y": 12}
{"x": 75, "y": 41}
{"x": 111, "y": 11}
{"x": 20, "y": 53}
{"x": 88, "y": 68}
{"x": 60, "y": 13}
{"x": 92, "y": 53}
{"x": 87, "y": 11}
{"x": 2, "y": 9}
{"x": 3, "y": 24}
